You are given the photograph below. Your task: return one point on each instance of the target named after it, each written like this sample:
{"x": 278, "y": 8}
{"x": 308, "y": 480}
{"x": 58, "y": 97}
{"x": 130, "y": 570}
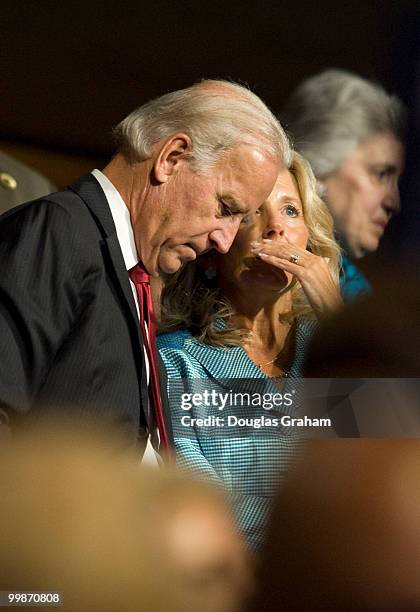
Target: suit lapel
{"x": 121, "y": 274}
{"x": 91, "y": 193}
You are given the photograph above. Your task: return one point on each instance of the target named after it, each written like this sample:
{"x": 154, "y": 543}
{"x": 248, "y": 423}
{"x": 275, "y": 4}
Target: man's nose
{"x": 222, "y": 238}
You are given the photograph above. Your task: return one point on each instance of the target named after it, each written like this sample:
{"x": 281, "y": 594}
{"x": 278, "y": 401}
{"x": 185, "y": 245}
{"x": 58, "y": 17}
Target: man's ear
{"x": 174, "y": 152}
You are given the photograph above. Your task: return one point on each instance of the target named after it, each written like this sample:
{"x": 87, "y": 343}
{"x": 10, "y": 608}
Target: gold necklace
{"x": 262, "y": 365}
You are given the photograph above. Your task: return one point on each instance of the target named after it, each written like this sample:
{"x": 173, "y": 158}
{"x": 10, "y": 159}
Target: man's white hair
{"x": 216, "y": 115}
{"x": 331, "y": 113}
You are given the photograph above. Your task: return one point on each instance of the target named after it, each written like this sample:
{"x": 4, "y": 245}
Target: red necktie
{"x": 141, "y": 279}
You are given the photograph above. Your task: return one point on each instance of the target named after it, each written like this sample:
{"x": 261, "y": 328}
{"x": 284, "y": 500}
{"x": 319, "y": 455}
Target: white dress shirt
{"x": 125, "y": 235}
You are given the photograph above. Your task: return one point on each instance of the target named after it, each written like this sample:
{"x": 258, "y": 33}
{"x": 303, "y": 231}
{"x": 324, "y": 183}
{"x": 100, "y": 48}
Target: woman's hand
{"x": 310, "y": 270}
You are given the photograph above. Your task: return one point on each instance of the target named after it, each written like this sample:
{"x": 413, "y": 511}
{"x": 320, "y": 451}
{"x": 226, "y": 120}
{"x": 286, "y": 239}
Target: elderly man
{"x": 75, "y": 265}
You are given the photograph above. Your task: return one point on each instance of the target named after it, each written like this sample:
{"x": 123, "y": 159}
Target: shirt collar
{"x": 121, "y": 217}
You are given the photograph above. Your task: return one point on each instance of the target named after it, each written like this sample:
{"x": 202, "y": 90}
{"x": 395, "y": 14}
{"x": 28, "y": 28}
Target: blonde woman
{"x": 249, "y": 315}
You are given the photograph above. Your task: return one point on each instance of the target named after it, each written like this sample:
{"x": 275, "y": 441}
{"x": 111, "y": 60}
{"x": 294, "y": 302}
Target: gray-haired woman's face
{"x": 363, "y": 193}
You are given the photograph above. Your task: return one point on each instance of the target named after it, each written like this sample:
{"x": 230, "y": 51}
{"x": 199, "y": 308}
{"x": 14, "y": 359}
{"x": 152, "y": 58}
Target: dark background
{"x": 70, "y": 71}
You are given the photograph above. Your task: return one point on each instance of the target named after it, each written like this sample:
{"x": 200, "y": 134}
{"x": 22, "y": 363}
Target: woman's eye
{"x": 291, "y": 211}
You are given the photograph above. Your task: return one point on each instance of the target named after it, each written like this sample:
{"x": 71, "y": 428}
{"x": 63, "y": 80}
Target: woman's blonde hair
{"x": 191, "y": 301}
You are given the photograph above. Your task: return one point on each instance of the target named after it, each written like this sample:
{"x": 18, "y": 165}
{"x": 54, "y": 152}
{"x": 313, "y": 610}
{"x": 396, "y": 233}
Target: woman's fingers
{"x": 280, "y": 249}
{"x": 313, "y": 274}
{"x": 280, "y": 262}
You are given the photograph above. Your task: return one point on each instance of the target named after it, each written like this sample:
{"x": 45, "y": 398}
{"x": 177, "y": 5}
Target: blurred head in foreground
{"x": 87, "y": 521}
{"x": 345, "y": 532}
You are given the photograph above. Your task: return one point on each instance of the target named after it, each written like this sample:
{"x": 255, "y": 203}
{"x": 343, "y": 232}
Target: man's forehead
{"x": 248, "y": 153}
{"x": 246, "y": 166}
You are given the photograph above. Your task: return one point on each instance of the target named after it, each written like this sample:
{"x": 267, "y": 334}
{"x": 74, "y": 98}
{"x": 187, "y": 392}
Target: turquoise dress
{"x": 353, "y": 283}
{"x": 248, "y": 463}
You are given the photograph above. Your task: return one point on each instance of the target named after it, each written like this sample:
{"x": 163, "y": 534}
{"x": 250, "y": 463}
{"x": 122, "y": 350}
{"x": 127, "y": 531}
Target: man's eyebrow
{"x": 236, "y": 207}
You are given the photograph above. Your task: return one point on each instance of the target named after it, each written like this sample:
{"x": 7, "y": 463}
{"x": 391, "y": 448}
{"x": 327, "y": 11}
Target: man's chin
{"x": 151, "y": 268}
{"x": 172, "y": 266}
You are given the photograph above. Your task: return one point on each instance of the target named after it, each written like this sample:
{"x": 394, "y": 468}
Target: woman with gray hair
{"x": 352, "y": 132}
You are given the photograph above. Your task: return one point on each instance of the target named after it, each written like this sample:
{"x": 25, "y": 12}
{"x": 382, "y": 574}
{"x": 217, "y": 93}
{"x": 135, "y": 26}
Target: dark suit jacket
{"x": 69, "y": 331}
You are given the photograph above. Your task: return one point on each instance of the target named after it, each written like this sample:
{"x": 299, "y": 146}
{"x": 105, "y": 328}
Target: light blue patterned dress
{"x": 249, "y": 466}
